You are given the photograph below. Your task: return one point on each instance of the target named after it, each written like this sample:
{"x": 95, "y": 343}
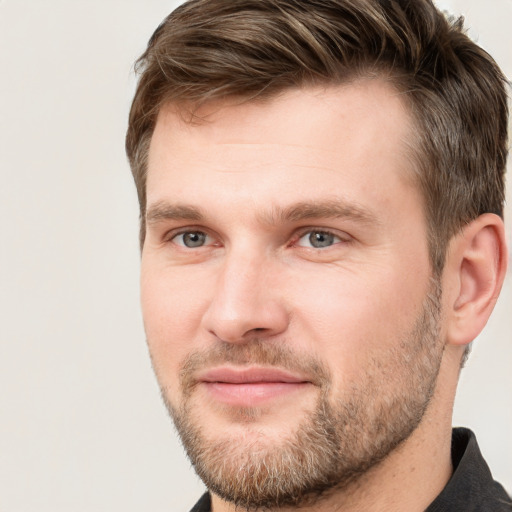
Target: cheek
{"x": 172, "y": 308}
{"x": 347, "y": 321}
{"x": 172, "y": 298}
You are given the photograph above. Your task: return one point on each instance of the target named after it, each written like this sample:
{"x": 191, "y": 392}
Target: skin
{"x": 241, "y": 179}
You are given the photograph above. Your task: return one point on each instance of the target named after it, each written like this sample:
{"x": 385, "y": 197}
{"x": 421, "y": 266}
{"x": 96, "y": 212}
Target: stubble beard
{"x": 336, "y": 443}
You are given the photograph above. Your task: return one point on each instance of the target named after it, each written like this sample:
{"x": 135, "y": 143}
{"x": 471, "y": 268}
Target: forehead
{"x": 314, "y": 108}
{"x": 314, "y": 141}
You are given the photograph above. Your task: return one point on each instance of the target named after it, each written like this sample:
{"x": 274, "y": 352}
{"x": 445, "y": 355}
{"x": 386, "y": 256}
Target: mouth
{"x": 248, "y": 387}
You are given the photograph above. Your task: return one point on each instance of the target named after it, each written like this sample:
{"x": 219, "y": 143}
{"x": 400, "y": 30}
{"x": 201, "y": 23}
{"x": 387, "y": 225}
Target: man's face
{"x": 286, "y": 289}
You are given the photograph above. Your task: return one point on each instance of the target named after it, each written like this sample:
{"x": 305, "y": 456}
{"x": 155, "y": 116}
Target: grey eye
{"x": 318, "y": 239}
{"x": 191, "y": 239}
{"x": 321, "y": 239}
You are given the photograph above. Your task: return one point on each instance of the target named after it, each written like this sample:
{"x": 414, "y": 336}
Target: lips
{"x": 249, "y": 375}
{"x": 248, "y": 387}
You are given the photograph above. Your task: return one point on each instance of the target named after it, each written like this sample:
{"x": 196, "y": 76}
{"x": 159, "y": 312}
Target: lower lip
{"x": 253, "y": 393}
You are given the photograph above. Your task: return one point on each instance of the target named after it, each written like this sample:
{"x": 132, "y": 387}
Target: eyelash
{"x": 171, "y": 236}
{"x": 339, "y": 238}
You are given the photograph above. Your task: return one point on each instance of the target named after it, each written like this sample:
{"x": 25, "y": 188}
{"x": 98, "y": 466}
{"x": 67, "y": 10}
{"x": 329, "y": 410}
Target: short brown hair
{"x": 212, "y": 49}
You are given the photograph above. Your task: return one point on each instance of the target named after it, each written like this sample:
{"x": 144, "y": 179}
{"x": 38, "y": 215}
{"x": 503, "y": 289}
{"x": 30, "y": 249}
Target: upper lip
{"x": 252, "y": 375}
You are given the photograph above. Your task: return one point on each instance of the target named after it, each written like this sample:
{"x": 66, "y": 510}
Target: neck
{"x": 411, "y": 476}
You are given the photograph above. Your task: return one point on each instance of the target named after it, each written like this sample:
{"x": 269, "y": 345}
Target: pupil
{"x": 194, "y": 239}
{"x": 319, "y": 239}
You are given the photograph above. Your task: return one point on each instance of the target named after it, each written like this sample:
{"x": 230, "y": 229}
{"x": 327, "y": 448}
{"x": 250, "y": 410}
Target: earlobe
{"x": 477, "y": 262}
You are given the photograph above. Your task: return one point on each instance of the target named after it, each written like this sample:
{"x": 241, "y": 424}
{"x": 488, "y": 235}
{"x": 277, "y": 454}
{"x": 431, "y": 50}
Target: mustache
{"x": 255, "y": 352}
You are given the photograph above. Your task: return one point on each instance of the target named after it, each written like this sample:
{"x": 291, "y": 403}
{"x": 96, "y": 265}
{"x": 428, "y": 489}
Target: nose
{"x": 246, "y": 302}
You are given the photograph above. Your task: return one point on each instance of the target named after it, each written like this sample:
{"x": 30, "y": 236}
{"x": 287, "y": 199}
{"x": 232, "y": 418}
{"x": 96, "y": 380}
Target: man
{"x": 321, "y": 187}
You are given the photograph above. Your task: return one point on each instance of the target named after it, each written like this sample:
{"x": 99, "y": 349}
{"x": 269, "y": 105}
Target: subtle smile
{"x": 249, "y": 387}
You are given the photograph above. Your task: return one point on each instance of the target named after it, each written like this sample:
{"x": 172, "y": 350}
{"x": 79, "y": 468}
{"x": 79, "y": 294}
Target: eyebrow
{"x": 167, "y": 211}
{"x": 326, "y": 209}
{"x": 305, "y": 210}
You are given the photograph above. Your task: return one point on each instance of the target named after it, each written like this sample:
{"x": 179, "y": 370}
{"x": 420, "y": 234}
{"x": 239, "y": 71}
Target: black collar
{"x": 471, "y": 487}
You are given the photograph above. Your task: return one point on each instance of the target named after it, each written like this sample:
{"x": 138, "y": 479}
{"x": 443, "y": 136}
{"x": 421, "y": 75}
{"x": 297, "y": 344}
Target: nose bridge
{"x": 244, "y": 300}
{"x": 245, "y": 266}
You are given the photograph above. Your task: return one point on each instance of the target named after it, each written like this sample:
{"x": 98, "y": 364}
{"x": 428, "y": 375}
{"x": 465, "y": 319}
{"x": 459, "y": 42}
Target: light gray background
{"x": 81, "y": 423}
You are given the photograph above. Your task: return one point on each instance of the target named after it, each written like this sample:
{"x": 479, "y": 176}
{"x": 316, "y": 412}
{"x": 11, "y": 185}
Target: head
{"x": 302, "y": 170}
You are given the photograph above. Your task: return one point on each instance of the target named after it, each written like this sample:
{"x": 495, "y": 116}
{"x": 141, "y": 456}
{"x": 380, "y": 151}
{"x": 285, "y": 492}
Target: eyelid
{"x": 171, "y": 234}
{"x": 342, "y": 236}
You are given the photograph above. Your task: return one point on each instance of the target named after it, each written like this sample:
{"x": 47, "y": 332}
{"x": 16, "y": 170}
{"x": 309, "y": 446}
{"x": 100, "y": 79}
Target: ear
{"x": 475, "y": 268}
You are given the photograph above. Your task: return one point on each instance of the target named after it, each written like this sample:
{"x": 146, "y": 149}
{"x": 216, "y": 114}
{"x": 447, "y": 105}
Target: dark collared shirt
{"x": 470, "y": 489}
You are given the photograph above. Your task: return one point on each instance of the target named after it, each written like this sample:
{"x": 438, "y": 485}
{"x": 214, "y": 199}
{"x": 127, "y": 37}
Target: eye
{"x": 318, "y": 239}
{"x": 191, "y": 239}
